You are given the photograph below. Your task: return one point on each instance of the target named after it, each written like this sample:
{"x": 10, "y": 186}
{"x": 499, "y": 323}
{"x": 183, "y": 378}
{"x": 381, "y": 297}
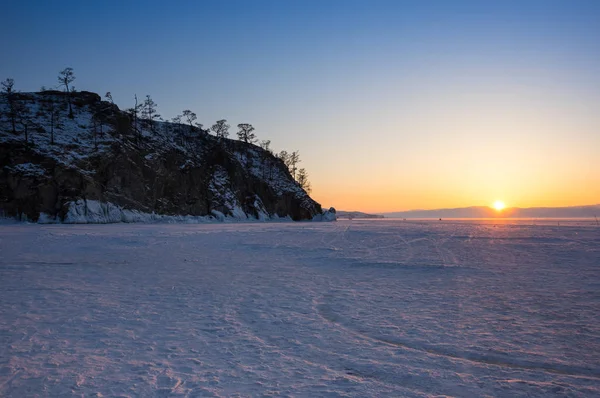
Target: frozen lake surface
{"x": 353, "y": 308}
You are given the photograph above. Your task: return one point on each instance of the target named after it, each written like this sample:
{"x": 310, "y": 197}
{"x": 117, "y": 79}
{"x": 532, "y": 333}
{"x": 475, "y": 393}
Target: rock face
{"x": 103, "y": 154}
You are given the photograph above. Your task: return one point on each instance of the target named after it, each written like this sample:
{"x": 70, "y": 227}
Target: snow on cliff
{"x": 104, "y": 166}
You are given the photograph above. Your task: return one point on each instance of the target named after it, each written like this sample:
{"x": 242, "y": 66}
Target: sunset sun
{"x": 499, "y": 205}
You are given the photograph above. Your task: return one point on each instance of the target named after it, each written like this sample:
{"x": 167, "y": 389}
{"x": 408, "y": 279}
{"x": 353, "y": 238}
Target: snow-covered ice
{"x": 353, "y": 308}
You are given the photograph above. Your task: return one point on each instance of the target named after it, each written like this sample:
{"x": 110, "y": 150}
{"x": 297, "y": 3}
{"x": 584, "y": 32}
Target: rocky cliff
{"x": 105, "y": 162}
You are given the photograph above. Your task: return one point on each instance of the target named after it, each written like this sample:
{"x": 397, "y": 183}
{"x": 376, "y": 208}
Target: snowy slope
{"x": 354, "y": 308}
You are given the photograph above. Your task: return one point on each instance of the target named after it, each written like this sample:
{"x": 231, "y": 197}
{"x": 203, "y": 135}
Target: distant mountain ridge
{"x": 512, "y": 212}
{"x": 356, "y": 214}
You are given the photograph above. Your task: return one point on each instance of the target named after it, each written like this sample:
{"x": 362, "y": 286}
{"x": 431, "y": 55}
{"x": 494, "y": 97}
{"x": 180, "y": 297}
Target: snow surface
{"x": 353, "y": 308}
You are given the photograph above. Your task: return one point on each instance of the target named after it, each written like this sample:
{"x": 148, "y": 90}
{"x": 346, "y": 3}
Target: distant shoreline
{"x": 488, "y": 218}
{"x": 554, "y": 221}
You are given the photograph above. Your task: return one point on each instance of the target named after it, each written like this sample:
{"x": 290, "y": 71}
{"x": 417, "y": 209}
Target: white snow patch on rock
{"x": 28, "y": 169}
{"x": 327, "y": 215}
{"x": 95, "y": 212}
{"x": 218, "y": 215}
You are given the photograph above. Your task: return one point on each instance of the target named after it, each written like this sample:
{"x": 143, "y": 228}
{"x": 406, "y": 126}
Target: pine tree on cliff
{"x": 190, "y": 117}
{"x": 24, "y": 118}
{"x": 285, "y": 158}
{"x": 265, "y": 155}
{"x": 98, "y": 120}
{"x": 266, "y": 145}
{"x": 7, "y": 90}
{"x": 246, "y": 133}
{"x": 103, "y": 111}
{"x": 133, "y": 114}
{"x": 52, "y": 113}
{"x": 303, "y": 180}
{"x": 66, "y": 77}
{"x": 177, "y": 122}
{"x": 200, "y": 128}
{"x": 149, "y": 111}
{"x": 221, "y": 129}
{"x": 294, "y": 159}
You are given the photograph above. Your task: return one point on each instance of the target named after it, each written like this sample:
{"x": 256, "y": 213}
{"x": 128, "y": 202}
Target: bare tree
{"x": 265, "y": 158}
{"x": 294, "y": 159}
{"x": 221, "y": 129}
{"x": 246, "y": 133}
{"x": 177, "y": 121}
{"x": 290, "y": 160}
{"x": 24, "y": 118}
{"x": 52, "y": 114}
{"x": 7, "y": 90}
{"x": 266, "y": 144}
{"x": 285, "y": 157}
{"x": 66, "y": 77}
{"x": 99, "y": 118}
{"x": 7, "y": 86}
{"x": 149, "y": 111}
{"x": 303, "y": 180}
{"x": 133, "y": 114}
{"x": 109, "y": 97}
{"x": 190, "y": 117}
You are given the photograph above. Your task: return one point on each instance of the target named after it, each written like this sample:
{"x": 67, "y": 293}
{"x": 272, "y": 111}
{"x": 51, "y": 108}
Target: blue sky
{"x": 392, "y": 104}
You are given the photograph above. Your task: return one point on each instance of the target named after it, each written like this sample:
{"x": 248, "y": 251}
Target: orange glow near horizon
{"x": 524, "y": 153}
{"x": 527, "y": 156}
{"x": 412, "y": 193}
{"x": 464, "y": 140}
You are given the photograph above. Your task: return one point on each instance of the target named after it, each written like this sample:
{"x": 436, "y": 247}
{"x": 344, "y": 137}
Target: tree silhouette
{"x": 266, "y": 145}
{"x": 265, "y": 158}
{"x": 290, "y": 160}
{"x": 246, "y": 133}
{"x": 52, "y": 113}
{"x": 303, "y": 180}
{"x": 149, "y": 111}
{"x": 177, "y": 121}
{"x": 285, "y": 157}
{"x": 190, "y": 117}
{"x": 133, "y": 114}
{"x": 23, "y": 118}
{"x": 66, "y": 77}
{"x": 7, "y": 86}
{"x": 294, "y": 159}
{"x": 7, "y": 90}
{"x": 221, "y": 129}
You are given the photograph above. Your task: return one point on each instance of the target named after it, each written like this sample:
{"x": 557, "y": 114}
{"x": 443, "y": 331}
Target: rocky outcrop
{"x": 151, "y": 167}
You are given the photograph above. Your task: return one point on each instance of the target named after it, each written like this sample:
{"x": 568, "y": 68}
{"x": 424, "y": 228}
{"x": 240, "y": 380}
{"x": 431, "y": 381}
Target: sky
{"x": 393, "y": 105}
